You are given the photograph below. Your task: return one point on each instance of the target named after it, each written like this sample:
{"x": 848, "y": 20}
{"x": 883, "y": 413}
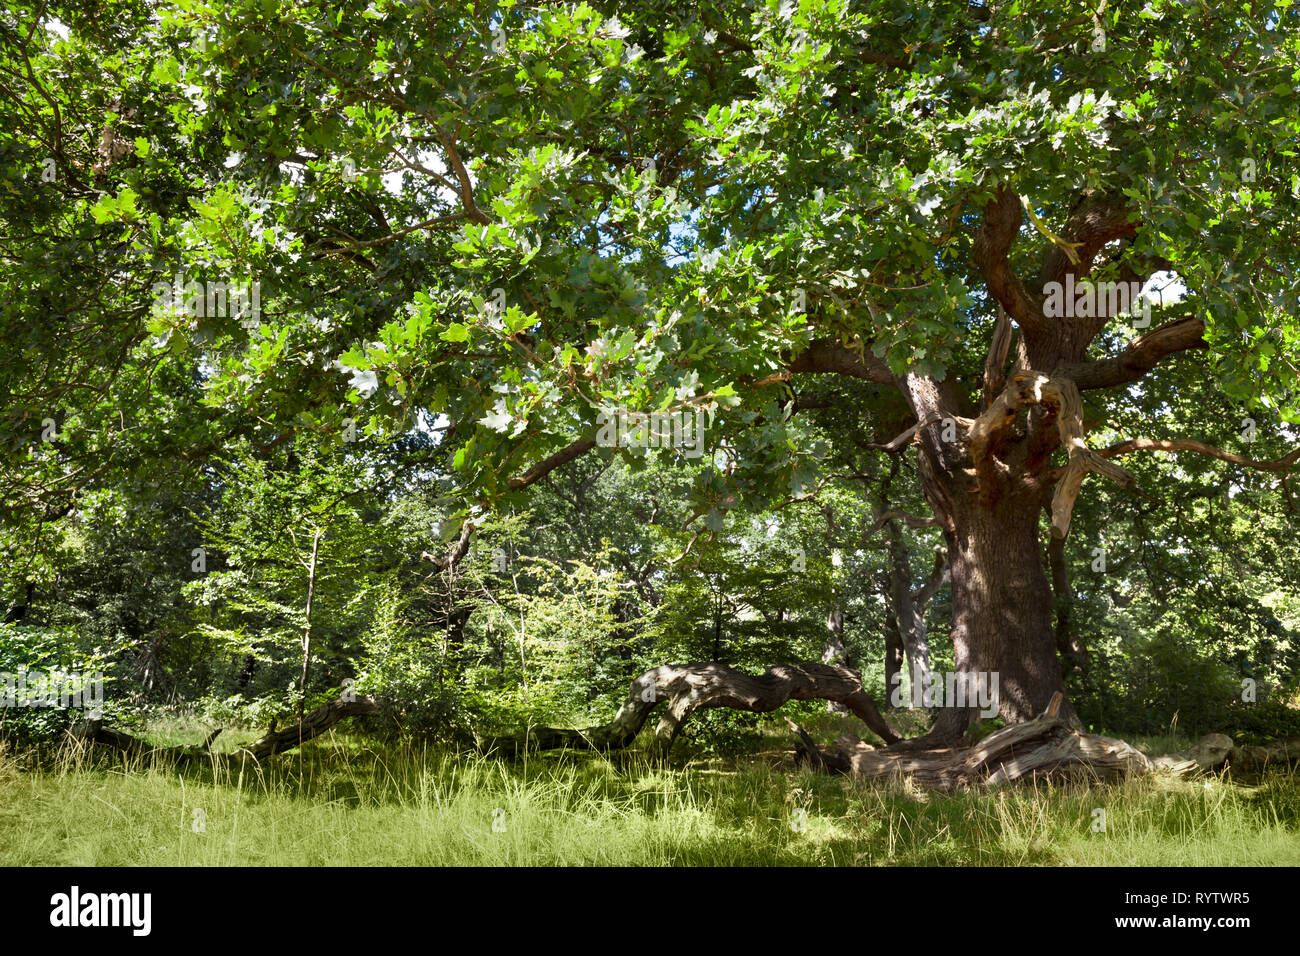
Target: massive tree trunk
{"x": 1002, "y": 611}
{"x": 984, "y": 480}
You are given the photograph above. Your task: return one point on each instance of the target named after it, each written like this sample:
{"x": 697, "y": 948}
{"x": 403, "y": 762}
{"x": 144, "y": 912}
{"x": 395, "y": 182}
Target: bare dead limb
{"x": 687, "y": 688}
{"x": 457, "y": 552}
{"x": 903, "y": 440}
{"x": 1060, "y": 397}
{"x": 995, "y": 378}
{"x": 1047, "y": 746}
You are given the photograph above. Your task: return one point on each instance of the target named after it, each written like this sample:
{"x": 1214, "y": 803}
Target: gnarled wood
{"x": 1046, "y": 746}
{"x": 687, "y": 688}
{"x": 1060, "y": 398}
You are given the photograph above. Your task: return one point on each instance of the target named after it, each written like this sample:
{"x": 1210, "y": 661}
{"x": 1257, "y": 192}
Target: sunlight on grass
{"x": 342, "y": 802}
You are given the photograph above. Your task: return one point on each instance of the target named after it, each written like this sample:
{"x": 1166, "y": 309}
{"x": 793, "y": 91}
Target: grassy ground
{"x": 343, "y": 803}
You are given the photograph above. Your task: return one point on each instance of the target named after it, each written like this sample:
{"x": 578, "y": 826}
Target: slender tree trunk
{"x": 717, "y": 629}
{"x": 306, "y": 634}
{"x": 1068, "y": 644}
{"x": 908, "y": 615}
{"x": 894, "y": 663}
{"x": 834, "y": 652}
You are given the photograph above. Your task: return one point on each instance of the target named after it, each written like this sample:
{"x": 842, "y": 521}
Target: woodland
{"x": 745, "y": 431}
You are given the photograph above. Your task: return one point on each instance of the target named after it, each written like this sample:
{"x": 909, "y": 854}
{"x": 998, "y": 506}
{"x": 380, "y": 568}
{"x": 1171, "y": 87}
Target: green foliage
{"x": 406, "y": 667}
{"x": 285, "y": 527}
{"x": 30, "y": 657}
{"x": 1262, "y": 721}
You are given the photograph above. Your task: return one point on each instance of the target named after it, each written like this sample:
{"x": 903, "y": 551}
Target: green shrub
{"x": 1261, "y": 721}
{"x": 33, "y": 654}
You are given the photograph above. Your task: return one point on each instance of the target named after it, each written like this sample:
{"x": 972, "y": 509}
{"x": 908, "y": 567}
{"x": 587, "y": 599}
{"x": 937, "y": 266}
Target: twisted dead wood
{"x": 687, "y": 688}
{"x": 1047, "y": 746}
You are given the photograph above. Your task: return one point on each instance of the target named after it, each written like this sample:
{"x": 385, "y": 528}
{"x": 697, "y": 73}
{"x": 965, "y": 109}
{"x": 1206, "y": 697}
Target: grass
{"x": 344, "y": 802}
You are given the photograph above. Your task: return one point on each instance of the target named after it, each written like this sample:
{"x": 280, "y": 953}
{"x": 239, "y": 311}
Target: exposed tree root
{"x": 1047, "y": 746}
{"x": 690, "y": 687}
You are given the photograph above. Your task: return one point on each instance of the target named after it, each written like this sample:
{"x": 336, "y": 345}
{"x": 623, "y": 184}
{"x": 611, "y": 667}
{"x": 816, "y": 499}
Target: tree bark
{"x": 893, "y": 658}
{"x": 908, "y": 618}
{"x": 1044, "y": 747}
{"x": 1002, "y": 611}
{"x": 984, "y": 480}
{"x": 834, "y": 652}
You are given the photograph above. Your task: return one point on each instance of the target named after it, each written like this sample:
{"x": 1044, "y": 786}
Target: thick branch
{"x": 313, "y": 725}
{"x": 938, "y": 578}
{"x": 1282, "y": 464}
{"x": 462, "y": 176}
{"x": 830, "y": 355}
{"x": 895, "y": 514}
{"x": 1095, "y": 221}
{"x": 548, "y": 465}
{"x": 691, "y": 687}
{"x": 1002, "y": 218}
{"x": 457, "y": 552}
{"x": 1140, "y": 357}
{"x": 1037, "y": 747}
{"x": 1044, "y": 747}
